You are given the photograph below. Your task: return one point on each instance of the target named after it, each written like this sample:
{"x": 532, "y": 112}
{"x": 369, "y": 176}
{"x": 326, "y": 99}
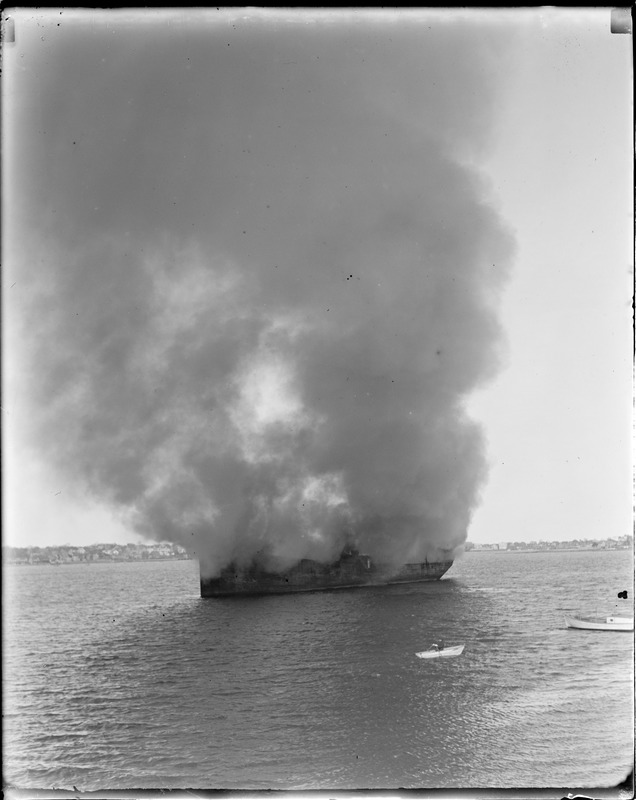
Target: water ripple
{"x": 132, "y": 680}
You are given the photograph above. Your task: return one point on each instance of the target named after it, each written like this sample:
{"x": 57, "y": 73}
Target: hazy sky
{"x": 277, "y": 255}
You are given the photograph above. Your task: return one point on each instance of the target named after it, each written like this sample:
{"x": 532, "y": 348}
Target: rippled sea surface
{"x": 120, "y": 675}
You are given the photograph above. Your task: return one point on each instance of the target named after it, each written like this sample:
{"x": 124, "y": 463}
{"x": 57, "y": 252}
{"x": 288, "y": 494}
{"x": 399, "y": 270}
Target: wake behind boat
{"x": 441, "y": 652}
{"x": 600, "y": 623}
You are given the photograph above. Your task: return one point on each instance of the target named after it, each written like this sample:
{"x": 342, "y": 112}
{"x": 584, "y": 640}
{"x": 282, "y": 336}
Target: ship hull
{"x": 310, "y": 576}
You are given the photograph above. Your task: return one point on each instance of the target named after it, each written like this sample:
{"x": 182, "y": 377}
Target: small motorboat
{"x": 601, "y": 623}
{"x": 441, "y": 652}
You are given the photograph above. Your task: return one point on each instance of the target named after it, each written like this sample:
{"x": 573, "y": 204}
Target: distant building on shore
{"x": 67, "y": 554}
{"x": 625, "y": 542}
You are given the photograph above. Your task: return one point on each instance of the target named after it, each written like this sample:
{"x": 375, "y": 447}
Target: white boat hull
{"x": 600, "y": 623}
{"x": 447, "y": 652}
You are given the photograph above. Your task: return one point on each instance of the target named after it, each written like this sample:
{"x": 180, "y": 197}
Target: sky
{"x": 291, "y": 277}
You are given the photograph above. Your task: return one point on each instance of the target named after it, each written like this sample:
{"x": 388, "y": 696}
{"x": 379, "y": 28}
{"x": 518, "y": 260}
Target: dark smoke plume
{"x": 265, "y": 279}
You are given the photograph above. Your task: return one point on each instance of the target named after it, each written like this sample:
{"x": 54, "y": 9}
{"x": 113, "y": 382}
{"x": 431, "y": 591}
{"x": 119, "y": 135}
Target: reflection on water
{"x": 120, "y": 675}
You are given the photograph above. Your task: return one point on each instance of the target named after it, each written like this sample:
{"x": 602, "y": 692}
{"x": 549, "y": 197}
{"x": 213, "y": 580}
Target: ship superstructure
{"x": 351, "y": 570}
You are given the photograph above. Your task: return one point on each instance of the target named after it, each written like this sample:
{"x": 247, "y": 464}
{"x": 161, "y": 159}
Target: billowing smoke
{"x": 264, "y": 278}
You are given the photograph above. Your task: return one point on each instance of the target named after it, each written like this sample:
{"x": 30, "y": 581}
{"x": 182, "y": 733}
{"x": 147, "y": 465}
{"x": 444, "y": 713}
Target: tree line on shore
{"x": 621, "y": 543}
{"x": 69, "y": 554}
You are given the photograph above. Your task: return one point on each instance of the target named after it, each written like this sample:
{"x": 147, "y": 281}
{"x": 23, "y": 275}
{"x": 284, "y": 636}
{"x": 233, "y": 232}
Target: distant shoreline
{"x": 545, "y": 549}
{"x": 92, "y": 562}
{"x": 96, "y": 562}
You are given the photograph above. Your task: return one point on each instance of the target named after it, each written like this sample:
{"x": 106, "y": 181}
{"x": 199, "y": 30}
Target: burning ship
{"x": 351, "y": 570}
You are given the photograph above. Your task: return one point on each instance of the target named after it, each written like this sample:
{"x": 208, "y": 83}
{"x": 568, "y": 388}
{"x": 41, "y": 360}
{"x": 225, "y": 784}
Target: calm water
{"x": 119, "y": 675}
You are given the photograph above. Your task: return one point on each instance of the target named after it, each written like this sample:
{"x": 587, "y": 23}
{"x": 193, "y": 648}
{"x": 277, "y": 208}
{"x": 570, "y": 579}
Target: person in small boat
{"x": 434, "y": 648}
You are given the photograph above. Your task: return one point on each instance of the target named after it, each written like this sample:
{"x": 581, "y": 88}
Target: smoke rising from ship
{"x": 268, "y": 280}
